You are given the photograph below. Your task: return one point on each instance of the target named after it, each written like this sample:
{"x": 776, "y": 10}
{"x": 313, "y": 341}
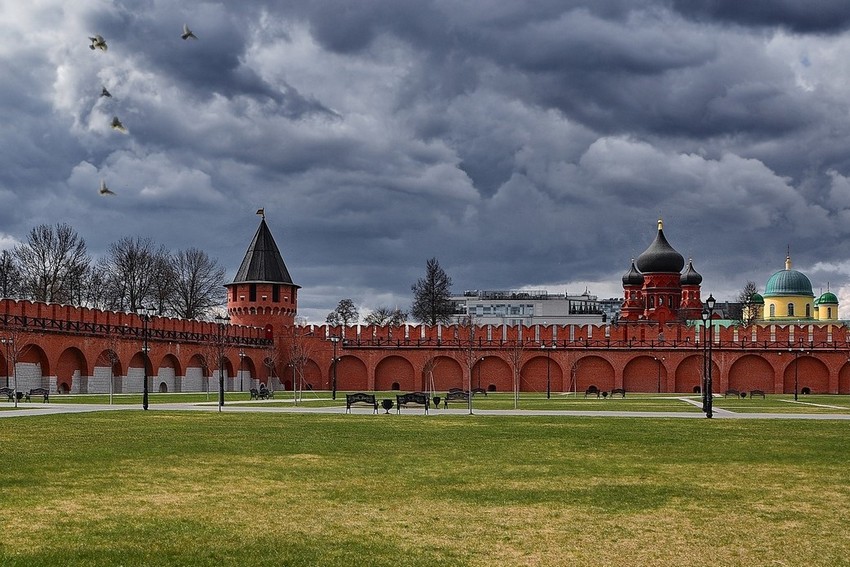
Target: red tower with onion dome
{"x": 656, "y": 289}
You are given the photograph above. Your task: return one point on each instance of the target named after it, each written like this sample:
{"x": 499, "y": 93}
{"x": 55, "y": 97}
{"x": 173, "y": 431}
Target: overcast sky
{"x": 523, "y": 144}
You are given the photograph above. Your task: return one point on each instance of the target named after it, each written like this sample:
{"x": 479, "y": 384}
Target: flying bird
{"x": 104, "y": 190}
{"x": 105, "y": 92}
{"x": 187, "y": 33}
{"x": 97, "y": 42}
{"x": 116, "y": 124}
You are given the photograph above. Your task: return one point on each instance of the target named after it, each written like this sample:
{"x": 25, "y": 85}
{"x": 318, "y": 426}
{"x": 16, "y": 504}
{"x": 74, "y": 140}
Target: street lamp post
{"x": 145, "y": 314}
{"x": 796, "y": 354}
{"x": 334, "y": 340}
{"x": 221, "y": 321}
{"x": 704, "y": 356}
{"x": 659, "y": 361}
{"x": 548, "y": 376}
{"x": 480, "y": 364}
{"x": 574, "y": 378}
{"x": 6, "y": 342}
{"x": 241, "y": 368}
{"x": 10, "y": 347}
{"x": 294, "y": 386}
{"x": 707, "y": 312}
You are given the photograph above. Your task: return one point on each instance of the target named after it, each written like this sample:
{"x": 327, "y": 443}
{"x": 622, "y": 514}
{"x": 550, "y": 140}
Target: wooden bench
{"x": 620, "y": 391}
{"x": 418, "y": 398}
{"x": 360, "y": 398}
{"x": 265, "y": 394}
{"x": 732, "y": 392}
{"x": 592, "y": 390}
{"x": 754, "y": 393}
{"x": 479, "y": 391}
{"x": 8, "y": 392}
{"x": 456, "y": 395}
{"x": 255, "y": 394}
{"x": 43, "y": 392}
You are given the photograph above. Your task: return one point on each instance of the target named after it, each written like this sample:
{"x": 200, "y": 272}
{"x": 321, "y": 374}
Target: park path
{"x": 35, "y": 409}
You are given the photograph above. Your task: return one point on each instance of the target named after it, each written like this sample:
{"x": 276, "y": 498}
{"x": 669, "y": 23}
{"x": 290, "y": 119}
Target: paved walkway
{"x": 32, "y": 409}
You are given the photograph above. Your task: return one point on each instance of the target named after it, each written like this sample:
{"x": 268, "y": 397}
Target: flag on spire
{"x": 261, "y": 212}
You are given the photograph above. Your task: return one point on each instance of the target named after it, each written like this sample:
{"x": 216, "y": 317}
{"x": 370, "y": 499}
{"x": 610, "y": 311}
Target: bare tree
{"x": 516, "y": 356}
{"x": 51, "y": 262}
{"x": 432, "y": 295}
{"x": 96, "y": 293}
{"x": 164, "y": 284}
{"x": 10, "y": 277}
{"x": 386, "y": 316}
{"x": 467, "y": 352}
{"x": 77, "y": 285}
{"x": 271, "y": 361}
{"x": 215, "y": 353}
{"x": 198, "y": 284}
{"x": 345, "y": 313}
{"x": 429, "y": 363}
{"x": 132, "y": 269}
{"x": 110, "y": 357}
{"x": 15, "y": 344}
{"x": 749, "y": 310}
{"x": 297, "y": 348}
{"x": 207, "y": 354}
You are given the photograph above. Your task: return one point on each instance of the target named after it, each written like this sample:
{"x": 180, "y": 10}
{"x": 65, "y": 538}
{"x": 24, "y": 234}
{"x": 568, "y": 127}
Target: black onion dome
{"x": 660, "y": 257}
{"x": 691, "y": 276}
{"x": 633, "y": 277}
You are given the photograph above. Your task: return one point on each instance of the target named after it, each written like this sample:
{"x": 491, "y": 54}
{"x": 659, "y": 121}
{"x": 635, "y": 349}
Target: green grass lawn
{"x": 153, "y": 398}
{"x": 784, "y": 403}
{"x": 773, "y": 403}
{"x": 188, "y": 488}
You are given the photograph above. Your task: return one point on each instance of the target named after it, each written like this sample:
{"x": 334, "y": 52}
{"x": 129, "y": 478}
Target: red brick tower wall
{"x": 662, "y": 297}
{"x": 633, "y": 303}
{"x": 691, "y": 306}
{"x": 262, "y": 304}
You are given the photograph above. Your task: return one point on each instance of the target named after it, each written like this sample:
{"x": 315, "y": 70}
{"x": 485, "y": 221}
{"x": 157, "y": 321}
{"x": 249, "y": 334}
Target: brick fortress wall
{"x": 78, "y": 350}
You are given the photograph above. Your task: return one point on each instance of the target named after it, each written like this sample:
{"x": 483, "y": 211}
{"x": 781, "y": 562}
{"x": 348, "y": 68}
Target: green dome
{"x": 757, "y": 299}
{"x": 788, "y": 282}
{"x": 828, "y": 297}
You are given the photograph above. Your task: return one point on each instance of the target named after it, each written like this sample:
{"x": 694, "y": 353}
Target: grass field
{"x": 773, "y": 403}
{"x": 189, "y": 488}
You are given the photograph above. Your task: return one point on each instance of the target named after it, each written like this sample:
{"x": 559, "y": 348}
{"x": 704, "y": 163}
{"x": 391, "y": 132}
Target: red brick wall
{"x": 375, "y": 358}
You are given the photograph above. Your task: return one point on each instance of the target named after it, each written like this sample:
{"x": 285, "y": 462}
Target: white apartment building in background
{"x": 534, "y": 307}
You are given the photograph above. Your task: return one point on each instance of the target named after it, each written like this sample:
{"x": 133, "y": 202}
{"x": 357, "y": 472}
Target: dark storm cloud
{"x": 523, "y": 144}
{"x": 829, "y": 16}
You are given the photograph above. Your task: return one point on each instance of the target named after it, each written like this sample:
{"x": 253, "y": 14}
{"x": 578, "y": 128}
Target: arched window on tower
{"x": 808, "y": 311}
{"x": 790, "y": 309}
{"x": 772, "y": 310}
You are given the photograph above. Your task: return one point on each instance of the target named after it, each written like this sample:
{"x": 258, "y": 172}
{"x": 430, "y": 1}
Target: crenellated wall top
{"x": 56, "y": 312}
{"x": 692, "y": 332}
